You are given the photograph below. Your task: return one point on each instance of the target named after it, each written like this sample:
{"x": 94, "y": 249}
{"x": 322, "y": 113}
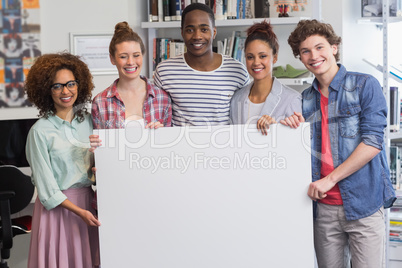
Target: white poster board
{"x": 205, "y": 197}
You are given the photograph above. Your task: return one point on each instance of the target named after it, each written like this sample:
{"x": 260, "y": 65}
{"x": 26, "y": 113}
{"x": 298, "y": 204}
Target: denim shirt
{"x": 357, "y": 112}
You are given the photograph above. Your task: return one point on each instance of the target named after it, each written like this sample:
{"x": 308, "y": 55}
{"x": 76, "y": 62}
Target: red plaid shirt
{"x": 108, "y": 110}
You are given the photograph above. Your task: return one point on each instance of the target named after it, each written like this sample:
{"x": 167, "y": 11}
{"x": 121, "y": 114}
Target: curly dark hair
{"x": 123, "y": 33}
{"x": 42, "y": 74}
{"x": 262, "y": 31}
{"x": 307, "y": 28}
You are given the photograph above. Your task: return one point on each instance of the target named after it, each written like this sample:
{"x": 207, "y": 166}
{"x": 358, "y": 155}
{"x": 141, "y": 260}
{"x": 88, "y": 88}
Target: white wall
{"x": 60, "y": 17}
{"x": 361, "y": 41}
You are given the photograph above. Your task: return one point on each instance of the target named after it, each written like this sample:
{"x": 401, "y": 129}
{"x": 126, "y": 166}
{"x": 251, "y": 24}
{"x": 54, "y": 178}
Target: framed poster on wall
{"x": 20, "y": 46}
{"x": 94, "y": 50}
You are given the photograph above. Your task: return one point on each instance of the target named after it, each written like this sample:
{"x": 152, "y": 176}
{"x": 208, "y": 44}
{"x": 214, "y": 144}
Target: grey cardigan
{"x": 281, "y": 102}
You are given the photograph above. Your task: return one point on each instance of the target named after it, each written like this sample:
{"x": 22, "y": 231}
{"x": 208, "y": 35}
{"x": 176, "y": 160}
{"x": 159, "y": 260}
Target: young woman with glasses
{"x": 64, "y": 227}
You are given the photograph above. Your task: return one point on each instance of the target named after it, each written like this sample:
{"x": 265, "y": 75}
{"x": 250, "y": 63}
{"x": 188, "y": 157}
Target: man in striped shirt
{"x": 200, "y": 82}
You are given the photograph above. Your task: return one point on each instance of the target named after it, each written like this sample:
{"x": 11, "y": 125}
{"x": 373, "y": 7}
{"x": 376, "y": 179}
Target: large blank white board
{"x": 205, "y": 197}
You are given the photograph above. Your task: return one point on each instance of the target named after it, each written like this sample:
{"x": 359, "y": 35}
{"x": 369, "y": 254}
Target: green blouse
{"x": 57, "y": 152}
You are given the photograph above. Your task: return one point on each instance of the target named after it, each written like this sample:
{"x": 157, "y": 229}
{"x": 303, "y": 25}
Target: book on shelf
{"x": 228, "y": 44}
{"x": 171, "y": 10}
{"x": 395, "y": 165}
{"x": 161, "y": 49}
{"x": 231, "y": 9}
{"x": 400, "y": 113}
{"x": 249, "y": 9}
{"x": 154, "y": 10}
{"x": 176, "y": 48}
{"x": 166, "y": 10}
{"x": 165, "y": 48}
{"x": 154, "y": 63}
{"x": 156, "y": 59}
{"x": 219, "y": 45}
{"x": 232, "y": 46}
{"x": 244, "y": 10}
{"x": 236, "y": 46}
{"x": 395, "y": 235}
{"x": 218, "y": 10}
{"x": 186, "y": 3}
{"x": 239, "y": 50}
{"x": 394, "y": 110}
{"x": 235, "y": 34}
{"x": 239, "y": 9}
{"x": 175, "y": 9}
{"x": 261, "y": 8}
{"x": 160, "y": 10}
{"x": 225, "y": 45}
{"x": 178, "y": 10}
{"x": 222, "y": 45}
{"x": 149, "y": 9}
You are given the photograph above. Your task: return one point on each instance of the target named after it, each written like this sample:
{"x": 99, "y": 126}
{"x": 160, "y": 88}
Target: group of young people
{"x": 347, "y": 112}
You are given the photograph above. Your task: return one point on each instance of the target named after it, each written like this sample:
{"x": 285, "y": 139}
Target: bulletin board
{"x": 205, "y": 197}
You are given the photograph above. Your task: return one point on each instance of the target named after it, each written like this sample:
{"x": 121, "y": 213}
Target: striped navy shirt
{"x": 200, "y": 98}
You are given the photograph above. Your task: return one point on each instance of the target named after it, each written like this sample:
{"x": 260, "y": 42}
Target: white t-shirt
{"x": 200, "y": 98}
{"x": 254, "y": 111}
{"x": 135, "y": 123}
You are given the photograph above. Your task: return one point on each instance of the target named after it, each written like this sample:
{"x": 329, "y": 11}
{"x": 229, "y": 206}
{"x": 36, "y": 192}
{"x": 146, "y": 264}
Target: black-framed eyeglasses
{"x": 58, "y": 87}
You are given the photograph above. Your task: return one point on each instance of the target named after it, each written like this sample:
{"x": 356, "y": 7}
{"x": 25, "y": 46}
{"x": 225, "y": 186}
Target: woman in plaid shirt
{"x": 131, "y": 97}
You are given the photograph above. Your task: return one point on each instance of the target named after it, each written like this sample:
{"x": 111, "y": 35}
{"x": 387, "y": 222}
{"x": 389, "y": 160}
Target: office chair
{"x": 16, "y": 191}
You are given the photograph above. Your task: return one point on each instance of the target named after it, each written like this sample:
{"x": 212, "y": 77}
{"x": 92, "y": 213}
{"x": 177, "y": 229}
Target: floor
{"x": 19, "y": 252}
{"x": 20, "y": 249}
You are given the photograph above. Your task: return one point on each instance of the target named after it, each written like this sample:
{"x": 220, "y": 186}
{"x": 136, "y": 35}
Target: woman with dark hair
{"x": 64, "y": 227}
{"x": 265, "y": 100}
{"x": 131, "y": 97}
